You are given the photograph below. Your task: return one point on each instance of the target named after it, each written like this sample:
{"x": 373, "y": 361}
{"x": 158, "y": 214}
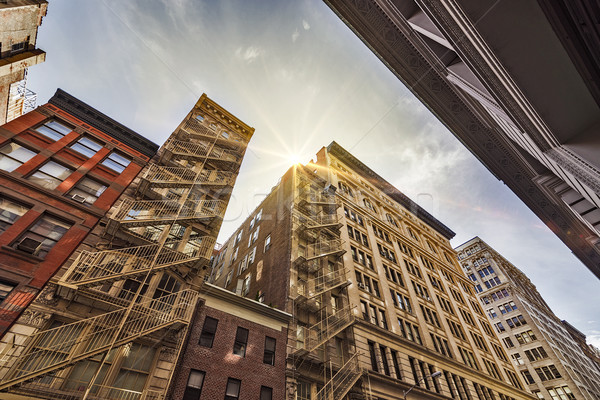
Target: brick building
{"x": 378, "y": 300}
{"x": 236, "y": 346}
{"x": 551, "y": 362}
{"x": 62, "y": 167}
{"x": 19, "y": 22}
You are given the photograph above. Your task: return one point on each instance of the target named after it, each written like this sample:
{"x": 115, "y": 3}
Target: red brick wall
{"x": 219, "y": 363}
{"x": 29, "y": 273}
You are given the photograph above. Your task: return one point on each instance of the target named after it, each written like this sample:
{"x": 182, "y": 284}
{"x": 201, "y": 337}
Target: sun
{"x": 294, "y": 159}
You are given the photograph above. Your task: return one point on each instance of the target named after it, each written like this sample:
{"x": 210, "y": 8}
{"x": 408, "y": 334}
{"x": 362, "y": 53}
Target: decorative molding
{"x": 34, "y": 318}
{"x": 48, "y": 295}
{"x": 576, "y": 166}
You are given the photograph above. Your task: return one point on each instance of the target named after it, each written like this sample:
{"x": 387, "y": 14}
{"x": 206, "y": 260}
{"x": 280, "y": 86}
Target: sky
{"x": 297, "y": 74}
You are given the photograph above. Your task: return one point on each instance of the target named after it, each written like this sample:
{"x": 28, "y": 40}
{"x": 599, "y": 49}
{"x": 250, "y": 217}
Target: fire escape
{"x": 320, "y": 273}
{"x": 166, "y": 232}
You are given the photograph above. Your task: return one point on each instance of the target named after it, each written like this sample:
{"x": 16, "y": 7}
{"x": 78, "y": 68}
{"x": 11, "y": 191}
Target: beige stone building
{"x": 379, "y": 302}
{"x": 539, "y": 344}
{"x": 112, "y": 322}
{"x": 19, "y": 22}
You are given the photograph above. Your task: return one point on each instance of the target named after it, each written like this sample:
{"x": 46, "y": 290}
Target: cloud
{"x": 305, "y": 25}
{"x": 295, "y": 35}
{"x": 249, "y": 54}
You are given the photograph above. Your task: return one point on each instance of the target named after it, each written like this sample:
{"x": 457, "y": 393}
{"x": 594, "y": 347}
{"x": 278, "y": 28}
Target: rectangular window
{"x": 384, "y": 361}
{"x": 208, "y": 332}
{"x": 116, "y": 162}
{"x": 266, "y": 393}
{"x": 87, "y": 191}
{"x": 87, "y": 147}
{"x": 269, "y": 355}
{"x": 9, "y": 213}
{"x": 193, "y": 390}
{"x": 232, "y": 392}
{"x": 50, "y": 175}
{"x": 13, "y": 155}
{"x": 241, "y": 341}
{"x": 54, "y": 130}
{"x": 5, "y": 289}
{"x": 373, "y": 356}
{"x": 267, "y": 243}
{"x": 41, "y": 237}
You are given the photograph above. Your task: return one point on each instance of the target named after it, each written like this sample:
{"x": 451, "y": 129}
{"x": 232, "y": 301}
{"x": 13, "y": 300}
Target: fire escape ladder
{"x": 314, "y": 287}
{"x": 341, "y": 383}
{"x": 196, "y": 130}
{"x": 133, "y": 212}
{"x": 327, "y": 328}
{"x": 101, "y": 267}
{"x": 53, "y": 349}
{"x": 192, "y": 150}
{"x": 324, "y": 248}
{"x": 162, "y": 176}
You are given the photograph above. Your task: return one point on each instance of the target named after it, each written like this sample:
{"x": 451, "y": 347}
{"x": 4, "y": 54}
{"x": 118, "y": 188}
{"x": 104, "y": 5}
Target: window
{"x": 193, "y": 390}
{"x": 267, "y": 243}
{"x": 547, "y": 373}
{"x": 517, "y": 359}
{"x": 50, "y": 175}
{"x": 373, "y": 356}
{"x": 232, "y": 392}
{"x": 269, "y": 355}
{"x": 87, "y": 147}
{"x": 208, "y": 332}
{"x": 42, "y": 236}
{"x": 527, "y": 377}
{"x": 561, "y": 393}
{"x": 134, "y": 370}
{"x": 13, "y": 155}
{"x": 5, "y": 289}
{"x": 535, "y": 354}
{"x": 116, "y": 162}
{"x": 246, "y": 285}
{"x": 241, "y": 340}
{"x": 87, "y": 191}
{"x": 384, "y": 360}
{"x": 251, "y": 256}
{"x": 53, "y": 129}
{"x": 9, "y": 213}
{"x": 266, "y": 393}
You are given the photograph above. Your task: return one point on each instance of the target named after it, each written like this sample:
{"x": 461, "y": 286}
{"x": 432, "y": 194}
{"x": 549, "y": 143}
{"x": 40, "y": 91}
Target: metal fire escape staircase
{"x": 316, "y": 222}
{"x": 341, "y": 383}
{"x": 203, "y": 160}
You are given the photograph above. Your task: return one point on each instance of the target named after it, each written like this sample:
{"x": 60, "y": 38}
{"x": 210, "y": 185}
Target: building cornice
{"x": 210, "y": 290}
{"x": 383, "y": 185}
{"x": 102, "y": 122}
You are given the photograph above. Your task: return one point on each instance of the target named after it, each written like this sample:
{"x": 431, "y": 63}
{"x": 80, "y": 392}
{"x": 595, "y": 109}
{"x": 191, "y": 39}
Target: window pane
{"x": 233, "y": 389}
{"x": 58, "y": 127}
{"x": 87, "y": 147}
{"x": 116, "y": 162}
{"x": 89, "y": 189}
{"x": 50, "y": 175}
{"x": 194, "y": 385}
{"x": 12, "y": 156}
{"x": 9, "y": 212}
{"x": 42, "y": 236}
{"x": 266, "y": 393}
{"x": 5, "y": 289}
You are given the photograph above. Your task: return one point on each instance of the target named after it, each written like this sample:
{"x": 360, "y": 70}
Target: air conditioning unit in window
{"x": 78, "y": 198}
{"x": 361, "y": 285}
{"x": 29, "y": 245}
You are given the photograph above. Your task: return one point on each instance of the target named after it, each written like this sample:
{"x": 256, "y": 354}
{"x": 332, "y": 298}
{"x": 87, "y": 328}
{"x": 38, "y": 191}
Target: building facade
{"x": 57, "y": 180}
{"x": 236, "y": 347}
{"x": 589, "y": 350}
{"x": 379, "y": 303}
{"x": 112, "y": 323}
{"x": 517, "y": 83}
{"x": 19, "y": 22}
{"x": 552, "y": 364}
